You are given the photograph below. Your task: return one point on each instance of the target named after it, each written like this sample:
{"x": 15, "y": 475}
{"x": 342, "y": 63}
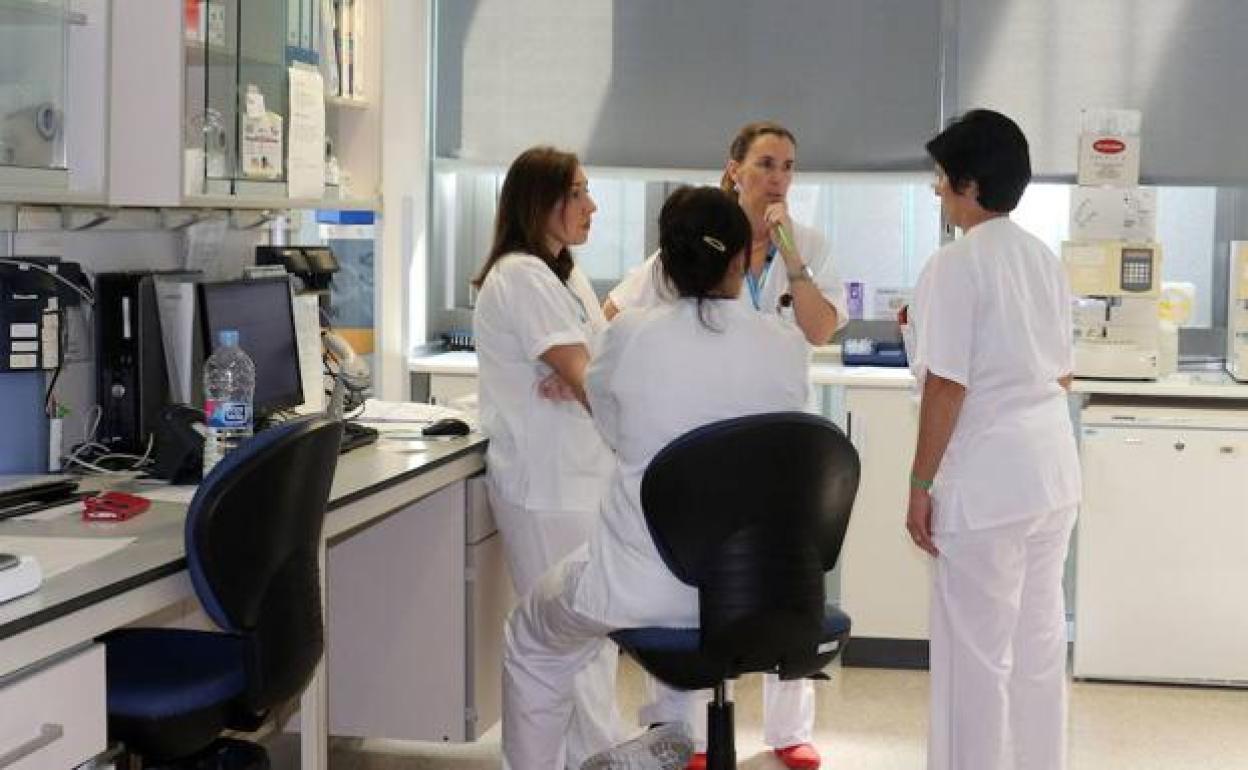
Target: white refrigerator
{"x": 1162, "y": 550}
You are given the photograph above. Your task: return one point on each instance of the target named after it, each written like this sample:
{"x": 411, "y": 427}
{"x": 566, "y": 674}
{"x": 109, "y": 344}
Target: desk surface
{"x": 158, "y": 549}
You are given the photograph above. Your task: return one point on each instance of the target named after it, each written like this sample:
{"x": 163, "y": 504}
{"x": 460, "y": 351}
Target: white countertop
{"x": 1207, "y": 384}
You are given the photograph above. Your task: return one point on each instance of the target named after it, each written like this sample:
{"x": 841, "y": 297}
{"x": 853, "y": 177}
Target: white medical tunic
{"x": 645, "y": 285}
{"x": 659, "y": 374}
{"x": 543, "y": 454}
{"x": 992, "y": 312}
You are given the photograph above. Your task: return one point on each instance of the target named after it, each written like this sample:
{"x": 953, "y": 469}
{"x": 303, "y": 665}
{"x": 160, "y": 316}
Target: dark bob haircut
{"x": 989, "y": 149}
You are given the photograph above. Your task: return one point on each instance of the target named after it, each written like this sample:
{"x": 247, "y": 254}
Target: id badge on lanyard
{"x": 756, "y": 285}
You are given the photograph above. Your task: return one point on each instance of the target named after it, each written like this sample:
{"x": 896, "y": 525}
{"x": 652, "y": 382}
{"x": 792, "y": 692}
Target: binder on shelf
{"x": 357, "y": 45}
{"x": 293, "y": 9}
{"x": 305, "y": 24}
{"x": 348, "y": 46}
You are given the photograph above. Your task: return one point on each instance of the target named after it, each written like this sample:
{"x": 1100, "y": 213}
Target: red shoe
{"x": 801, "y": 756}
{"x": 697, "y": 761}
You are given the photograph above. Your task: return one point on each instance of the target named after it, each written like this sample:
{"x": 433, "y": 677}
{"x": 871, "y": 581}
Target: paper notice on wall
{"x": 203, "y": 248}
{"x": 887, "y": 301}
{"x": 306, "y": 154}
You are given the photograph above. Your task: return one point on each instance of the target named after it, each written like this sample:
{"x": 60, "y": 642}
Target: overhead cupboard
{"x": 190, "y": 103}
{"x": 53, "y": 107}
{"x": 219, "y": 102}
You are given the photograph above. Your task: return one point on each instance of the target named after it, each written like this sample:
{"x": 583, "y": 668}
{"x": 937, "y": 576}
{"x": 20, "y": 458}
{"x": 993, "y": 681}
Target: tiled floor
{"x": 877, "y": 720}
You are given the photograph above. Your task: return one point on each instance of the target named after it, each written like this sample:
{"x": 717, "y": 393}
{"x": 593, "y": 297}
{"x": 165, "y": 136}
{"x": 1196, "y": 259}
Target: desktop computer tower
{"x": 132, "y": 383}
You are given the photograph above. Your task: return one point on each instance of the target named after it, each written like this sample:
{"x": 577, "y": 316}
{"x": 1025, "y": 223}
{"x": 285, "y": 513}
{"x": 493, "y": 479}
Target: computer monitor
{"x": 262, "y": 312}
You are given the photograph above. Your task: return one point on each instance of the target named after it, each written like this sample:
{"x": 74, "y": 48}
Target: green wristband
{"x": 918, "y": 483}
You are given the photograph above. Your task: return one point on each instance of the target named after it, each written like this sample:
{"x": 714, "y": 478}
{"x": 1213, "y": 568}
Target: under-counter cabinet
{"x": 54, "y": 715}
{"x": 884, "y": 579}
{"x": 1162, "y": 549}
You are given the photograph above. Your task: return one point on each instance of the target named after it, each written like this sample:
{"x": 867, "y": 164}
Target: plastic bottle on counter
{"x": 229, "y": 385}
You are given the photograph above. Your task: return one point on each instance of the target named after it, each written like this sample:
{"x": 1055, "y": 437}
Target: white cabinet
{"x": 415, "y": 609}
{"x": 53, "y": 100}
{"x": 1163, "y": 546}
{"x": 885, "y": 579}
{"x": 445, "y": 388}
{"x": 54, "y": 717}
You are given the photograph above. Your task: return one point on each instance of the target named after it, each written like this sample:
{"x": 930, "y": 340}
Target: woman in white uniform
{"x": 800, "y": 286}
{"x": 546, "y": 466}
{"x": 995, "y": 482}
{"x": 660, "y": 372}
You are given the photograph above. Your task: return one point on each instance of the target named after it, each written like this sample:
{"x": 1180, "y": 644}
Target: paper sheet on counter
{"x": 61, "y": 554}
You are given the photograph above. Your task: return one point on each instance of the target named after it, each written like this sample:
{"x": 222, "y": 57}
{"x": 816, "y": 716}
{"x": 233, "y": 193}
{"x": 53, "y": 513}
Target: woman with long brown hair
{"x": 547, "y": 467}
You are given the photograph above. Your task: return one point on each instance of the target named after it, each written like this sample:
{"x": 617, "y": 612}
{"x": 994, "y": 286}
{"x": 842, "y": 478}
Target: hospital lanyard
{"x": 756, "y": 285}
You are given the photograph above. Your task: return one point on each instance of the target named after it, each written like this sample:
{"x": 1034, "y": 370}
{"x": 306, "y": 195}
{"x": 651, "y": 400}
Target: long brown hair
{"x": 742, "y": 142}
{"x": 538, "y": 180}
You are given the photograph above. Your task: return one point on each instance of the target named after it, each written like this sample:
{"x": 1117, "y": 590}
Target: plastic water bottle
{"x": 229, "y": 383}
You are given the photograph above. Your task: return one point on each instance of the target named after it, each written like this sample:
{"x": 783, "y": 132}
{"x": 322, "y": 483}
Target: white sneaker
{"x": 666, "y": 747}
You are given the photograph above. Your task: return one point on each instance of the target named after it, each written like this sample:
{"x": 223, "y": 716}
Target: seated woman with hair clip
{"x": 660, "y": 372}
{"x": 789, "y": 274}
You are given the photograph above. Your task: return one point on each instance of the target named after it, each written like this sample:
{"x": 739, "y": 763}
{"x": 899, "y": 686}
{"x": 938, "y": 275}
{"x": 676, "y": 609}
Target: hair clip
{"x": 714, "y": 243}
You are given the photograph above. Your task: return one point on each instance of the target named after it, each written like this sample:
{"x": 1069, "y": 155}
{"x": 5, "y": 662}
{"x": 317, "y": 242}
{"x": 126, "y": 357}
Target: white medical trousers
{"x": 998, "y": 647}
{"x": 534, "y": 541}
{"x": 548, "y": 645}
{"x": 788, "y": 710}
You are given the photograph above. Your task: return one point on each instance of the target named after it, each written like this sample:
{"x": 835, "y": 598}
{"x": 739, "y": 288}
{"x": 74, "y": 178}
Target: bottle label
{"x": 228, "y": 414}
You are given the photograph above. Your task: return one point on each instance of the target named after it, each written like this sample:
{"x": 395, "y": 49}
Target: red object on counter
{"x": 113, "y": 506}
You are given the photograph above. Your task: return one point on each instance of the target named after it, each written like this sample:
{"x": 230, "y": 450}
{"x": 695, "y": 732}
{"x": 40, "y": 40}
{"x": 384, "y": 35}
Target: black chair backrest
{"x": 252, "y": 542}
{"x": 753, "y": 511}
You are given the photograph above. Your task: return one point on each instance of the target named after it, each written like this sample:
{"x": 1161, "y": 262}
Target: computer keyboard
{"x": 355, "y": 436}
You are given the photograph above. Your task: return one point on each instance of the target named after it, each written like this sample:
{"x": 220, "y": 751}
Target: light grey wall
{"x": 1183, "y": 63}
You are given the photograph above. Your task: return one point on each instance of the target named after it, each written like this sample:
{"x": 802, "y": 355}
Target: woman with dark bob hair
{"x": 546, "y": 466}
{"x": 995, "y": 482}
{"x": 660, "y": 372}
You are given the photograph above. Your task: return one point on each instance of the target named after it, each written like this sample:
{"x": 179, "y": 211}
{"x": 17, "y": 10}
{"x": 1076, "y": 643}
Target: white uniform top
{"x": 992, "y": 312}
{"x": 645, "y": 285}
{"x": 661, "y": 373}
{"x": 543, "y": 454}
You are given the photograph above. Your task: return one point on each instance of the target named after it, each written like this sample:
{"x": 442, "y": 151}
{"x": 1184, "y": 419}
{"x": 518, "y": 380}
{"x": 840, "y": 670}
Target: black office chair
{"x": 253, "y": 532}
{"x": 752, "y": 512}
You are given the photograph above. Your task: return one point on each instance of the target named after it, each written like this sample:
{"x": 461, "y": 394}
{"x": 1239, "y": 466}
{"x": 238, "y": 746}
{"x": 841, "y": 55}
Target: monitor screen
{"x": 262, "y": 312}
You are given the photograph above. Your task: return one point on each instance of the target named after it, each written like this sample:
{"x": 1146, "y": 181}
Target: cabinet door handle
{"x": 48, "y": 734}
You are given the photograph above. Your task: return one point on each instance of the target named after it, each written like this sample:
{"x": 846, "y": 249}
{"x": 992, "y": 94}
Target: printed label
{"x": 228, "y": 414}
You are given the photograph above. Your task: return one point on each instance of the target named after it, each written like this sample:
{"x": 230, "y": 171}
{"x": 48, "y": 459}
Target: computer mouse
{"x": 447, "y": 426}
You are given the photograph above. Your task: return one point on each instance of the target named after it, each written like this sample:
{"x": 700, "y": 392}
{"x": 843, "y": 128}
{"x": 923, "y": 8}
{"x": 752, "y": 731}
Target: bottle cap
{"x": 228, "y": 337}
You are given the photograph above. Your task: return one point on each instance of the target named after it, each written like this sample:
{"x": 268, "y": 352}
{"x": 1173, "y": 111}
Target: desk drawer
{"x": 54, "y": 717}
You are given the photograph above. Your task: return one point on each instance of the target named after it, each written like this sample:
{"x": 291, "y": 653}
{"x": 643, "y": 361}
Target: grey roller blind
{"x": 1183, "y": 63}
{"x": 666, "y": 83}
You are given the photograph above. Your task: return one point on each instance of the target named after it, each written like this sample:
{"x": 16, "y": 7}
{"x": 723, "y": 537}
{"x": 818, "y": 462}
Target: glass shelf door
{"x": 33, "y": 40}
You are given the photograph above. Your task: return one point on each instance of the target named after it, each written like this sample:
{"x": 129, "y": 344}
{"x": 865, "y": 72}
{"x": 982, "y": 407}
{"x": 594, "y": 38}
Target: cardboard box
{"x": 1109, "y": 148}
